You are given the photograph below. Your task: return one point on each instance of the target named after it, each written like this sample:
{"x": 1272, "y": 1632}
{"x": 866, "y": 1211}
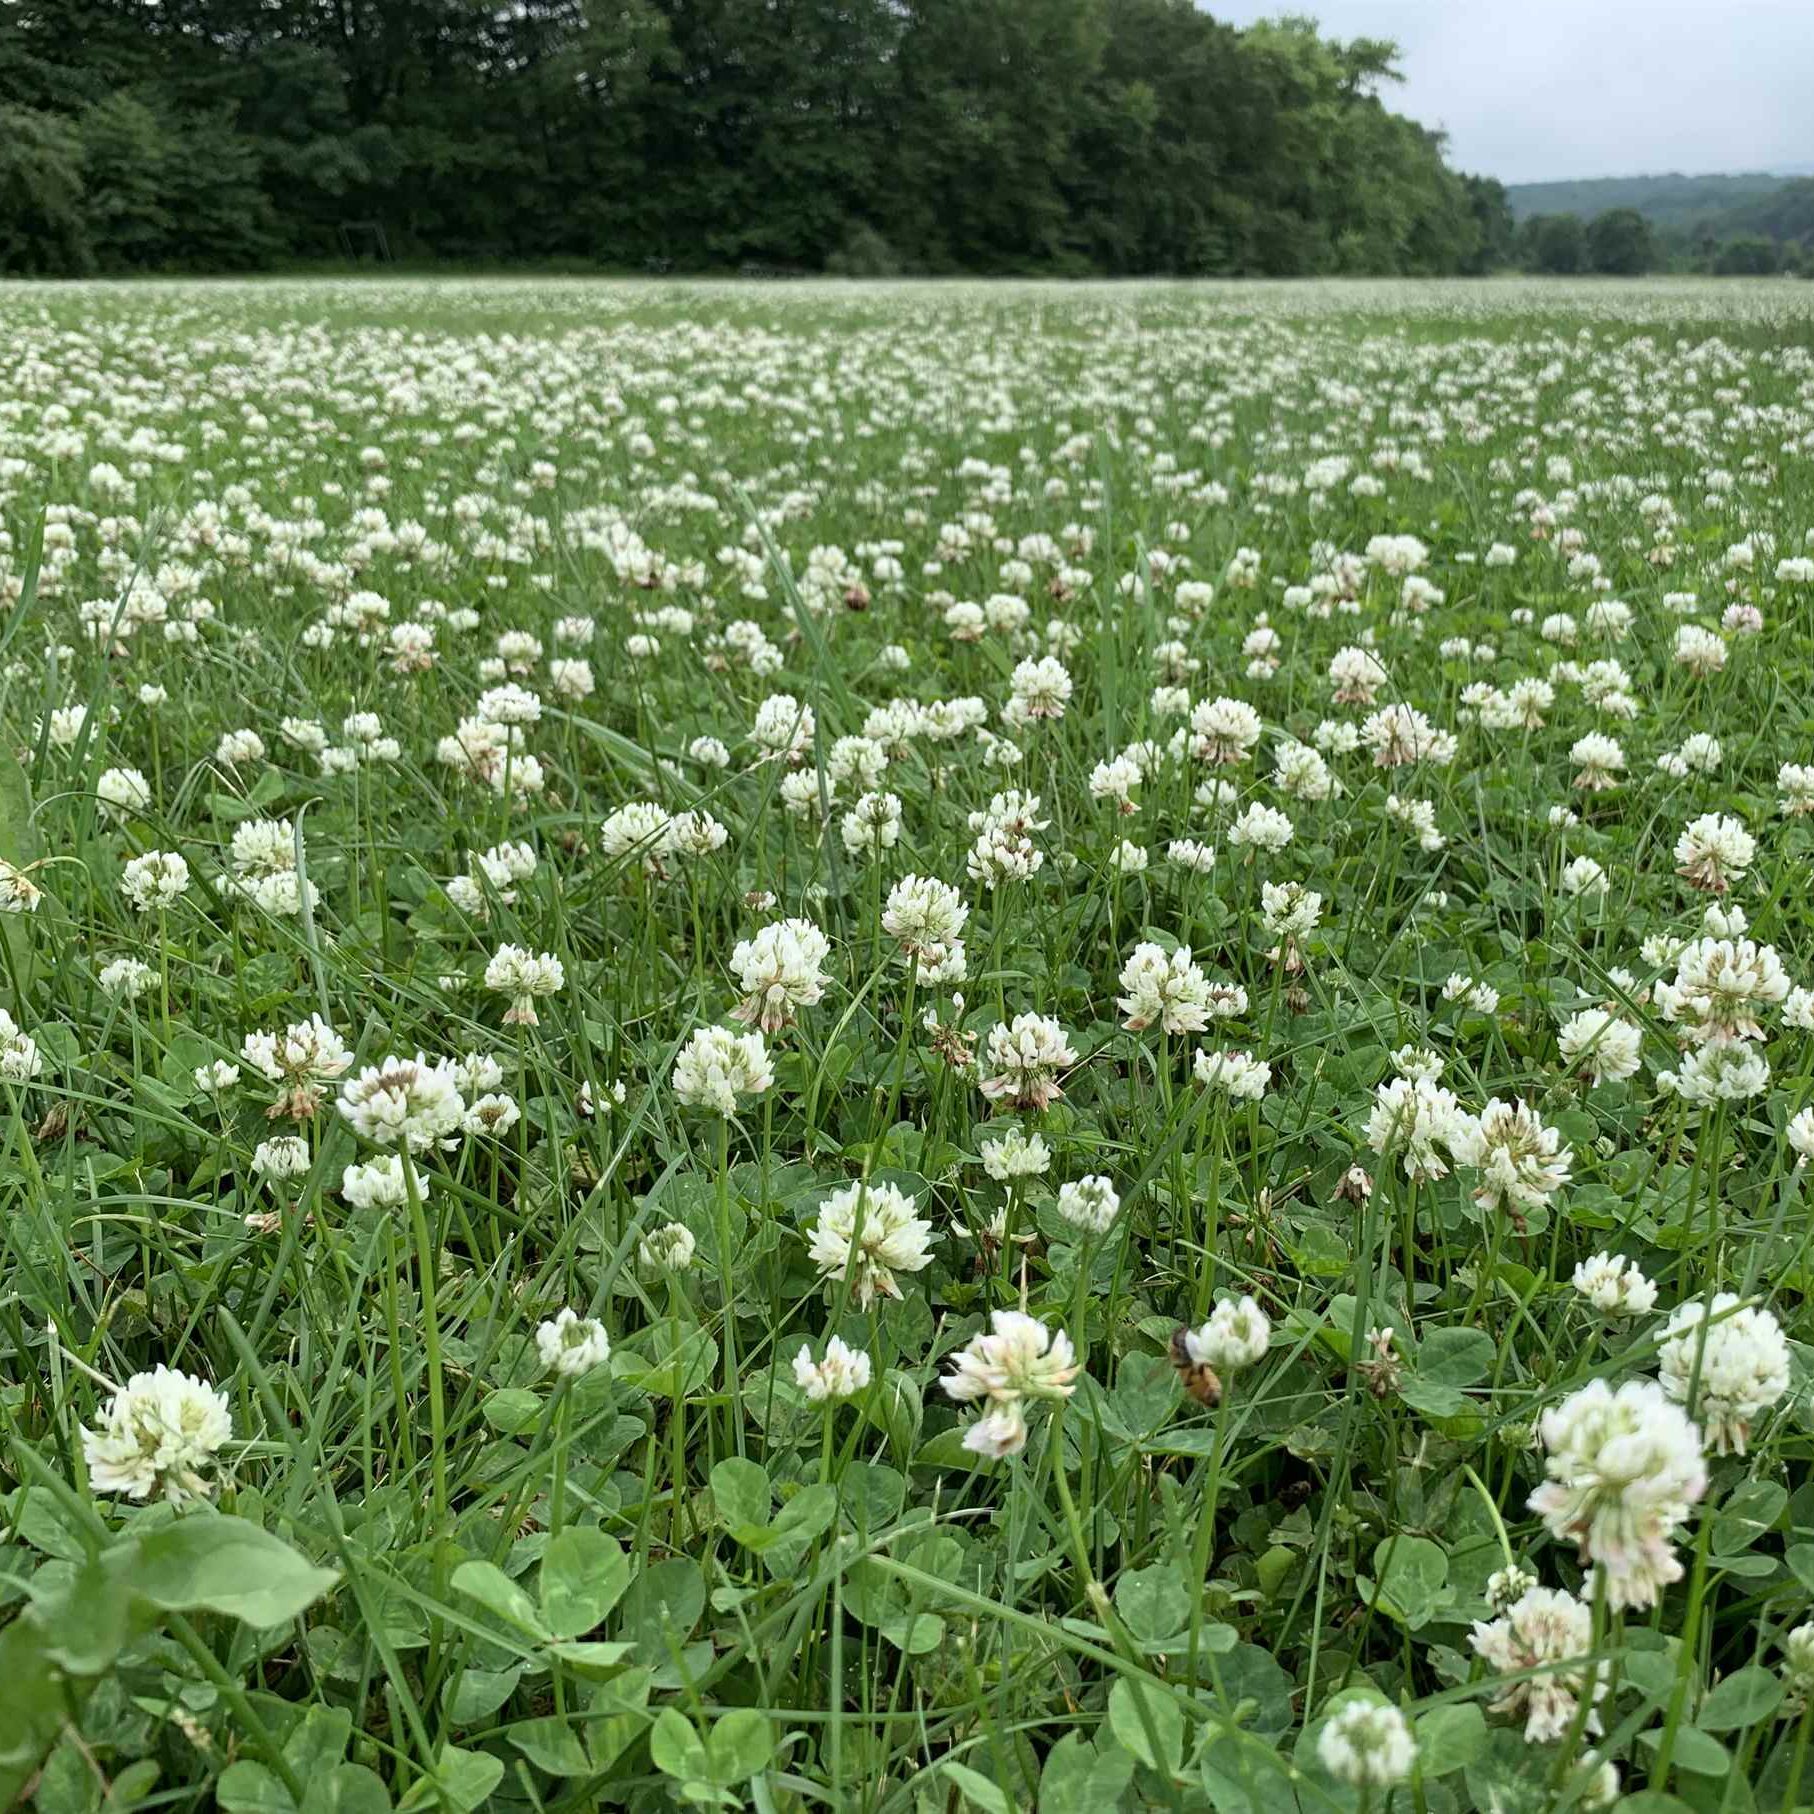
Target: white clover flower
{"x": 1038, "y": 688}
{"x": 20, "y": 1059}
{"x": 1583, "y": 876}
{"x": 717, "y": 1066}
{"x": 1728, "y": 1362}
{"x": 1721, "y": 987}
{"x": 1235, "y": 1337}
{"x": 642, "y": 828}
{"x": 1355, "y": 676}
{"x": 844, "y": 1371}
{"x": 1701, "y": 652}
{"x": 1543, "y": 1631}
{"x": 873, "y": 824}
{"x": 669, "y": 1248}
{"x": 1089, "y": 1203}
{"x": 571, "y": 1344}
{"x": 236, "y": 747}
{"x": 696, "y": 834}
{"x": 1016, "y": 1154}
{"x": 1795, "y": 780}
{"x": 1624, "y": 1469}
{"x": 157, "y": 1434}
{"x": 1018, "y": 1359}
{"x": 525, "y": 976}
{"x": 377, "y": 1184}
{"x": 1616, "y": 1287}
{"x": 1718, "y": 1074}
{"x": 780, "y": 972}
{"x": 923, "y": 915}
{"x": 1413, "y": 1117}
{"x": 126, "y": 977}
{"x": 1024, "y": 1058}
{"x": 1289, "y": 910}
{"x": 1522, "y": 1163}
{"x": 1237, "y": 1075}
{"x": 407, "y": 1100}
{"x": 156, "y": 881}
{"x": 1798, "y": 1658}
{"x": 301, "y": 1059}
{"x": 490, "y": 1116}
{"x": 1599, "y": 1045}
{"x": 122, "y": 791}
{"x": 866, "y": 1233}
{"x": 1260, "y": 827}
{"x": 1598, "y": 760}
{"x": 284, "y": 1156}
{"x": 1713, "y": 852}
{"x": 1224, "y": 731}
{"x": 783, "y": 727}
{"x": 211, "y": 1079}
{"x": 1367, "y": 1744}
{"x": 1800, "y": 1135}
{"x": 1507, "y": 1586}
{"x": 1168, "y": 990}
{"x": 18, "y": 892}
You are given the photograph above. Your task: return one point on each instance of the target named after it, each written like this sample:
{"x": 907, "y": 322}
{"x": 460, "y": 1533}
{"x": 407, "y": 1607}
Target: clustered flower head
{"x": 1367, "y": 1744}
{"x": 1624, "y": 1470}
{"x": 407, "y": 1101}
{"x": 570, "y": 1344}
{"x": 1089, "y": 1204}
{"x": 1235, "y": 1337}
{"x": 865, "y": 1234}
{"x": 1522, "y": 1163}
{"x": 1023, "y": 1060}
{"x": 1728, "y": 1362}
{"x": 1418, "y": 1120}
{"x": 842, "y": 1372}
{"x": 526, "y": 977}
{"x": 717, "y": 1067}
{"x": 1169, "y": 991}
{"x": 301, "y": 1060}
{"x": 780, "y": 971}
{"x": 1615, "y": 1287}
{"x": 1537, "y": 1638}
{"x": 157, "y": 1435}
{"x": 1017, "y": 1359}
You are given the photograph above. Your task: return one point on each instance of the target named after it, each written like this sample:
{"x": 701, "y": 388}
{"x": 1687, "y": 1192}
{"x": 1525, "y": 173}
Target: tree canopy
{"x": 1113, "y": 136}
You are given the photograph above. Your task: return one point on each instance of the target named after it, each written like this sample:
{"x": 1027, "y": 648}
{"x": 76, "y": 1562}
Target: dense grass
{"x": 1339, "y": 592}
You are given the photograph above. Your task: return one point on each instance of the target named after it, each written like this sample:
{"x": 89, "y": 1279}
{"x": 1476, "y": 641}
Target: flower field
{"x": 906, "y": 1048}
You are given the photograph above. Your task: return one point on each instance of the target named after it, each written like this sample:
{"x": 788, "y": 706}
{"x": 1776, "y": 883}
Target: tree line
{"x": 1756, "y": 239}
{"x": 863, "y": 136}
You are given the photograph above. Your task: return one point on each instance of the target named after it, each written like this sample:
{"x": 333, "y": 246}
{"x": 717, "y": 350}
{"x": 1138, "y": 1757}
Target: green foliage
{"x": 1555, "y": 244}
{"x": 1619, "y": 243}
{"x": 861, "y": 137}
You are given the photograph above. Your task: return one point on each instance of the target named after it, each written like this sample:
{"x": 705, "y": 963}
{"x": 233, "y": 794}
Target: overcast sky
{"x": 1539, "y": 90}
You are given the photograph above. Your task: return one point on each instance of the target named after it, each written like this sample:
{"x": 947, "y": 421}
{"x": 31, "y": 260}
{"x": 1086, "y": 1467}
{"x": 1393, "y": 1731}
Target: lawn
{"x": 906, "y": 1048}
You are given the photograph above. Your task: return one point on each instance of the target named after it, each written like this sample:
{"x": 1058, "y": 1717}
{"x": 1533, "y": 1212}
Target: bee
{"x": 1201, "y": 1382}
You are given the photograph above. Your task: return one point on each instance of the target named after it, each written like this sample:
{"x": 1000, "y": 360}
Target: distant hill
{"x": 1785, "y": 213}
{"x": 1672, "y": 201}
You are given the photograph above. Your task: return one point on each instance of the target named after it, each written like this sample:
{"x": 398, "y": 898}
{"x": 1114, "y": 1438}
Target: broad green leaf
{"x": 1449, "y": 1738}
{"x": 1084, "y": 1778}
{"x": 1149, "y": 1722}
{"x": 492, "y": 1588}
{"x": 1743, "y": 1699}
{"x": 740, "y": 1490}
{"x": 739, "y": 1745}
{"x": 584, "y": 1574}
{"x": 977, "y": 1789}
{"x": 209, "y": 1562}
